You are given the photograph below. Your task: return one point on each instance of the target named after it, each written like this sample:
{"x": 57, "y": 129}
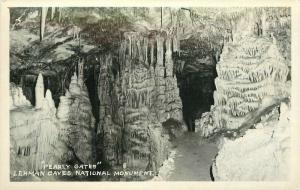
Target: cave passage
{"x": 196, "y": 71}
{"x": 197, "y": 96}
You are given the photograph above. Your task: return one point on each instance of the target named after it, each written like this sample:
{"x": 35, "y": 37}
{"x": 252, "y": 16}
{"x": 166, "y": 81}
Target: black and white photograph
{"x": 131, "y": 94}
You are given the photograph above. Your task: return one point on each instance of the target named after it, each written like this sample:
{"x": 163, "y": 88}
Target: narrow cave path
{"x": 193, "y": 158}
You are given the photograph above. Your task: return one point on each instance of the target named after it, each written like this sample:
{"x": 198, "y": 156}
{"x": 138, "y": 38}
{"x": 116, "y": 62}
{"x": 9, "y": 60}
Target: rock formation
{"x": 77, "y": 122}
{"x": 205, "y": 124}
{"x": 39, "y": 92}
{"x": 262, "y": 153}
{"x": 136, "y": 100}
{"x": 42, "y": 134}
{"x": 248, "y": 71}
{"x": 34, "y": 132}
{"x": 17, "y": 97}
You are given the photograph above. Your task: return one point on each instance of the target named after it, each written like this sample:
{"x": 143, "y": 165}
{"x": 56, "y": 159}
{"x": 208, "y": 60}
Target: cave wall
{"x": 136, "y": 100}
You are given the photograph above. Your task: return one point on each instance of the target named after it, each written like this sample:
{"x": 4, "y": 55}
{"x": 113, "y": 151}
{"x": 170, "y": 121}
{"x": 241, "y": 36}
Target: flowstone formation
{"x": 140, "y": 107}
{"x": 248, "y": 71}
{"x": 77, "y": 123}
{"x": 262, "y": 153}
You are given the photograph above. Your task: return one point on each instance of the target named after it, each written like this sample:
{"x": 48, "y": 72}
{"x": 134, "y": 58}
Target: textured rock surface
{"x": 77, "y": 123}
{"x": 41, "y": 134}
{"x": 205, "y": 124}
{"x": 17, "y": 97}
{"x": 262, "y": 153}
{"x": 249, "y": 70}
{"x": 33, "y": 131}
{"x": 137, "y": 100}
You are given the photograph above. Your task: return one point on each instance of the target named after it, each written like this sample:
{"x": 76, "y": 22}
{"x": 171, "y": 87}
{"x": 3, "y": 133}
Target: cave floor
{"x": 194, "y": 157}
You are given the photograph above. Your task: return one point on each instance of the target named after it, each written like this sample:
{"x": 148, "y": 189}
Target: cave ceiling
{"x": 43, "y": 37}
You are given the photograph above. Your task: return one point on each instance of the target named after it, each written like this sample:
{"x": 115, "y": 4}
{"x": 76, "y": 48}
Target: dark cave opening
{"x": 91, "y": 83}
{"x": 196, "y": 93}
{"x": 195, "y": 69}
{"x": 91, "y": 74}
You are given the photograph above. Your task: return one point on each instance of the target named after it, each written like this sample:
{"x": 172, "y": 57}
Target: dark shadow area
{"x": 211, "y": 173}
{"x": 91, "y": 84}
{"x": 195, "y": 68}
{"x": 196, "y": 93}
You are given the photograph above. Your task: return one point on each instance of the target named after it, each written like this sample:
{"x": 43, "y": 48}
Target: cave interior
{"x": 54, "y": 40}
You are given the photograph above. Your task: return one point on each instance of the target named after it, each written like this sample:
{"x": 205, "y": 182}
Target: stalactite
{"x": 52, "y": 12}
{"x": 60, "y": 10}
{"x": 43, "y": 22}
{"x": 152, "y": 54}
{"x": 160, "y": 52}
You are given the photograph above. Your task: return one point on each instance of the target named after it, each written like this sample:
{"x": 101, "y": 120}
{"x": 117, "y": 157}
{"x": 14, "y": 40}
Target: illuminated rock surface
{"x": 137, "y": 102}
{"x": 262, "y": 154}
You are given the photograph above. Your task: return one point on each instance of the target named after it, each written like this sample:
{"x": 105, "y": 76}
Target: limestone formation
{"x": 74, "y": 87}
{"x": 46, "y": 135}
{"x": 205, "y": 124}
{"x": 76, "y": 120}
{"x": 34, "y": 132}
{"x": 248, "y": 71}
{"x": 261, "y": 154}
{"x": 135, "y": 102}
{"x": 39, "y": 92}
{"x": 17, "y": 97}
{"x": 50, "y": 102}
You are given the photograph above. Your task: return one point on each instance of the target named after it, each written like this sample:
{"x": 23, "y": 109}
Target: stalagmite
{"x": 63, "y": 109}
{"x": 75, "y": 114}
{"x": 17, "y": 97}
{"x": 50, "y": 101}
{"x": 74, "y": 87}
{"x": 39, "y": 91}
{"x": 76, "y": 31}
